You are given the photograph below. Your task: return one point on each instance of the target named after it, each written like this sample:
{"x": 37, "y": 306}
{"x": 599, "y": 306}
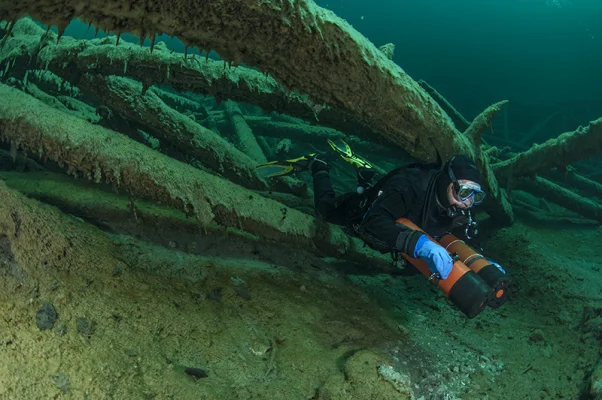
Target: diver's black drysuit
{"x": 409, "y": 192}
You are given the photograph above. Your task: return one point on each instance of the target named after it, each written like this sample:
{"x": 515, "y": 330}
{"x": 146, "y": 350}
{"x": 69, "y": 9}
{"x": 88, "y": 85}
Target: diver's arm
{"x": 382, "y": 233}
{"x": 379, "y": 228}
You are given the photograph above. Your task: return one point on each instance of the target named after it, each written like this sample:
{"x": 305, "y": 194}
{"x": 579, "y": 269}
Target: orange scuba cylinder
{"x": 481, "y": 266}
{"x": 466, "y": 290}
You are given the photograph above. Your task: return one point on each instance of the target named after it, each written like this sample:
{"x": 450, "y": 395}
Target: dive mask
{"x": 465, "y": 191}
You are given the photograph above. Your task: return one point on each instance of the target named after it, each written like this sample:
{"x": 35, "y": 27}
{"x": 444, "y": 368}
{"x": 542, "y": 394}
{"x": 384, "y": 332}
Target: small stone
{"x": 236, "y": 281}
{"x": 62, "y": 382}
{"x": 60, "y": 329}
{"x": 564, "y": 318}
{"x": 401, "y": 382}
{"x": 215, "y": 294}
{"x": 403, "y": 330}
{"x": 594, "y": 388}
{"x": 84, "y": 326}
{"x": 242, "y": 292}
{"x": 536, "y": 336}
{"x": 46, "y": 316}
{"x": 116, "y": 271}
{"x": 196, "y": 373}
{"x": 131, "y": 352}
{"x": 548, "y": 351}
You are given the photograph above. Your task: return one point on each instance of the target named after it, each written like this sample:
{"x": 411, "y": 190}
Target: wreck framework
{"x": 95, "y": 67}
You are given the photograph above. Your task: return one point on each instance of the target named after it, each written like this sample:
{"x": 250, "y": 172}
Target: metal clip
{"x": 435, "y": 278}
{"x": 471, "y": 225}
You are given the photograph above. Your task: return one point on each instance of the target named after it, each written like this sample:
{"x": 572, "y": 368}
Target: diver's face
{"x": 453, "y": 198}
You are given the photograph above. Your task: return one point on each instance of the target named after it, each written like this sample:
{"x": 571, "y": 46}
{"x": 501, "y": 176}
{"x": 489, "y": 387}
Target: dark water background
{"x": 477, "y": 52}
{"x": 545, "y": 56}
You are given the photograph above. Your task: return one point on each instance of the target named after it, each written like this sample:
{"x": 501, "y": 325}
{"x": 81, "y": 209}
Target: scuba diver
{"x": 436, "y": 198}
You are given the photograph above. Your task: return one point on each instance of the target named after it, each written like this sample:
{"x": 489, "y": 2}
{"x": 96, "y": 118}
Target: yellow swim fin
{"x": 343, "y": 149}
{"x": 284, "y": 167}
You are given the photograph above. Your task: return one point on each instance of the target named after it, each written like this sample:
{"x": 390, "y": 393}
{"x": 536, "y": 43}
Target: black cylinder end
{"x": 471, "y": 294}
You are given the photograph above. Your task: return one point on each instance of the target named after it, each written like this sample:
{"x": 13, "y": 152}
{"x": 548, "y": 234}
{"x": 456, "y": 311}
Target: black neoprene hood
{"x": 464, "y": 168}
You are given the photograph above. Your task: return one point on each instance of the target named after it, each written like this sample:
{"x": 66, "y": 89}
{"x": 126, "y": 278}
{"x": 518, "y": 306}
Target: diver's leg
{"x": 324, "y": 194}
{"x": 328, "y": 205}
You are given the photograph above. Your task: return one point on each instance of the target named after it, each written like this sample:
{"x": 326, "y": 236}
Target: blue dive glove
{"x": 436, "y": 256}
{"x": 498, "y": 266}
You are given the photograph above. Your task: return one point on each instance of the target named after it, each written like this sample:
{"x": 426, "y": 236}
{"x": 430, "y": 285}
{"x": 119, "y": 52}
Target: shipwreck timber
{"x": 305, "y": 48}
{"x": 102, "y": 155}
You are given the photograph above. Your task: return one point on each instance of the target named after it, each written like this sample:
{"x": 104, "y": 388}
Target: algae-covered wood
{"x": 103, "y": 155}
